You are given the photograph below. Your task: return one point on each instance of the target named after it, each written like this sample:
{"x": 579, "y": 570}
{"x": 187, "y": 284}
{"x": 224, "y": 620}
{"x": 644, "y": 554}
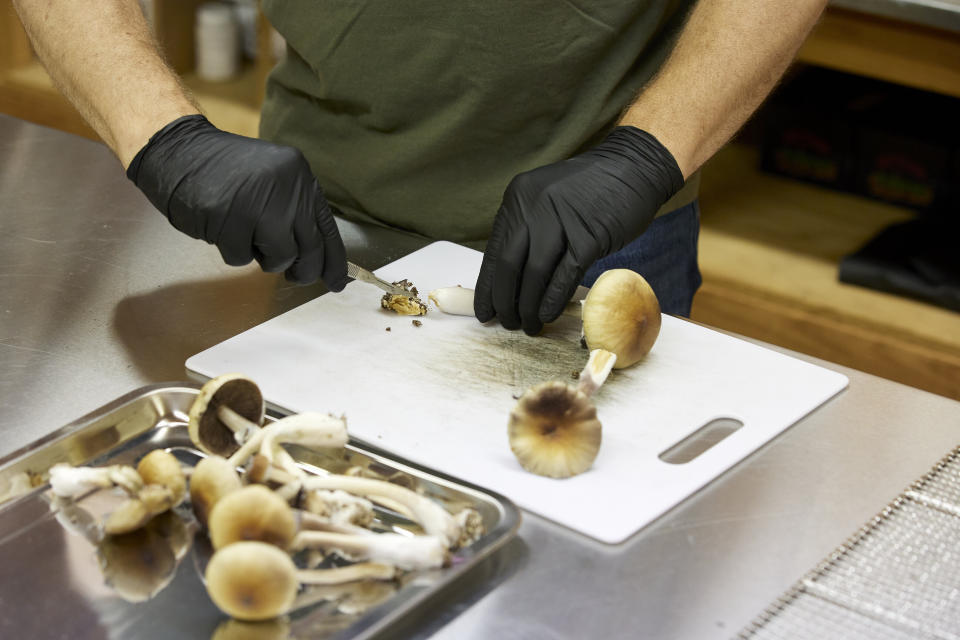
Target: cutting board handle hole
{"x": 707, "y": 436}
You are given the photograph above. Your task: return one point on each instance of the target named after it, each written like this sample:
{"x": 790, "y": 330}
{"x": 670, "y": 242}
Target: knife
{"x": 359, "y": 273}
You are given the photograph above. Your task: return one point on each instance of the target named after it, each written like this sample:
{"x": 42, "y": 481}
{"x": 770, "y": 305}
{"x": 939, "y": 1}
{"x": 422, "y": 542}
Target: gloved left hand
{"x": 557, "y": 220}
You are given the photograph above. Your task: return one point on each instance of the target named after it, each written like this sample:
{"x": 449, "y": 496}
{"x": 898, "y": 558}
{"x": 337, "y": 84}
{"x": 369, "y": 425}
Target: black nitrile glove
{"x": 557, "y": 220}
{"x": 255, "y": 200}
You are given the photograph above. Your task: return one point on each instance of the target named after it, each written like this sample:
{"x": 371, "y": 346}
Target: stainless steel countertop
{"x": 100, "y": 295}
{"x": 941, "y": 14}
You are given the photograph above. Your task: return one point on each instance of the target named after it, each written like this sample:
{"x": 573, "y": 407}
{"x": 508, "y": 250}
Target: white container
{"x": 217, "y": 42}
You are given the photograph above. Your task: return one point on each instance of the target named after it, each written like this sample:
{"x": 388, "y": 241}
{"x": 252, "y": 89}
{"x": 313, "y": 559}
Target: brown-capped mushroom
{"x": 212, "y": 479}
{"x": 251, "y": 581}
{"x": 135, "y": 512}
{"x": 208, "y": 430}
{"x": 258, "y": 581}
{"x": 251, "y": 513}
{"x": 553, "y": 429}
{"x": 162, "y": 468}
{"x": 620, "y": 313}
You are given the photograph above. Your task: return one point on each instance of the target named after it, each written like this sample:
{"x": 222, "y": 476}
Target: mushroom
{"x": 308, "y": 429}
{"x": 434, "y": 519}
{"x": 68, "y": 481}
{"x": 162, "y": 468}
{"x": 258, "y": 581}
{"x": 456, "y": 300}
{"x": 251, "y": 513}
{"x": 401, "y": 551}
{"x": 404, "y": 305}
{"x": 310, "y": 521}
{"x": 212, "y": 479}
{"x": 620, "y": 313}
{"x": 339, "y": 507}
{"x": 471, "y": 526}
{"x": 136, "y": 511}
{"x": 236, "y": 394}
{"x": 553, "y": 429}
{"x": 145, "y": 501}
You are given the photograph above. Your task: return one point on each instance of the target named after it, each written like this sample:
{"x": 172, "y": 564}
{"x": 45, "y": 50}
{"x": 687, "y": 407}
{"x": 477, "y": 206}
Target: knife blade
{"x": 357, "y": 272}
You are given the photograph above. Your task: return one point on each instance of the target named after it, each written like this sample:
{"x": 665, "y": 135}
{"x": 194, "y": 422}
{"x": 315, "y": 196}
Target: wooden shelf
{"x": 769, "y": 250}
{"x": 891, "y": 50}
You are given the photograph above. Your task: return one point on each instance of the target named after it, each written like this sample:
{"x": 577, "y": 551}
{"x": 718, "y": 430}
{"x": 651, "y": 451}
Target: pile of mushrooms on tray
{"x": 273, "y": 527}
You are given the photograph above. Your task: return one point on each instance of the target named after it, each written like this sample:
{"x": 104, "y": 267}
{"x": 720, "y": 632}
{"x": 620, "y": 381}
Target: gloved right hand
{"x": 254, "y": 199}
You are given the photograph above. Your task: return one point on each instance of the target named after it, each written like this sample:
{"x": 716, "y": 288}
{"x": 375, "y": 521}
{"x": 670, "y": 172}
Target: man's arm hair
{"x": 104, "y": 59}
{"x": 728, "y": 57}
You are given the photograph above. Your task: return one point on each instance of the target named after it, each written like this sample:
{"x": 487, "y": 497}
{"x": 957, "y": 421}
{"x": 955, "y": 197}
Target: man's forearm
{"x": 729, "y": 56}
{"x": 105, "y": 61}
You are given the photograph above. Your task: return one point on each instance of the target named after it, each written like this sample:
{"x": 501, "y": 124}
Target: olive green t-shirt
{"x": 417, "y": 114}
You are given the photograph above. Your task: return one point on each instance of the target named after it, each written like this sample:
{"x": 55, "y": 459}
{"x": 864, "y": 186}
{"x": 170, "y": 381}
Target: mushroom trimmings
{"x": 404, "y": 305}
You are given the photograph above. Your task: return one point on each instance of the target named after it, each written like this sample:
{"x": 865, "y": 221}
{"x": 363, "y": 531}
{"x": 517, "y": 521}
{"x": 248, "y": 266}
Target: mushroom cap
{"x": 162, "y": 467}
{"x": 238, "y": 392}
{"x": 621, "y": 314}
{"x": 212, "y": 479}
{"x": 252, "y": 513}
{"x": 136, "y": 564}
{"x": 554, "y": 430}
{"x": 252, "y": 581}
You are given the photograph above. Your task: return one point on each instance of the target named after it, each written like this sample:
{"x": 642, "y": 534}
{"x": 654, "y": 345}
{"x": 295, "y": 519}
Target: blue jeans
{"x": 666, "y": 255}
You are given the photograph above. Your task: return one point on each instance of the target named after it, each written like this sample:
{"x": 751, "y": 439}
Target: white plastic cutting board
{"x": 440, "y": 394}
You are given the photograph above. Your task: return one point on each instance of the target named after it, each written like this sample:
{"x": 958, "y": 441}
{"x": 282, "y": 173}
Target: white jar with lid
{"x": 217, "y": 42}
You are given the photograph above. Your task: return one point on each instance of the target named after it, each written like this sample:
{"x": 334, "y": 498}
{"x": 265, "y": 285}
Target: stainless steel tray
{"x": 52, "y": 584}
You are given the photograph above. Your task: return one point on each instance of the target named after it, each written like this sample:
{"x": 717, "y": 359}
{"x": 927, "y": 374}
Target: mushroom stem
{"x": 458, "y": 301}
{"x": 309, "y": 521}
{"x": 594, "y": 374}
{"x": 242, "y": 428}
{"x": 68, "y": 481}
{"x": 404, "y": 552}
{"x": 307, "y": 429}
{"x": 434, "y": 519}
{"x": 348, "y": 573}
{"x": 339, "y": 507}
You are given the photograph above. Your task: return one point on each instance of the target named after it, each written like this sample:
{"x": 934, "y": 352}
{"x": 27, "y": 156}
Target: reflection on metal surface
{"x": 141, "y": 586}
